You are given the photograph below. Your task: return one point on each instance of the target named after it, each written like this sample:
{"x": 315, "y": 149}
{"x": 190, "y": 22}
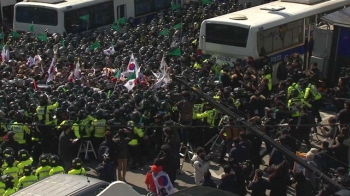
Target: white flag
{"x": 109, "y": 51}
{"x": 37, "y": 59}
{"x": 52, "y": 70}
{"x": 77, "y": 71}
{"x": 163, "y": 66}
{"x": 130, "y": 84}
{"x": 30, "y": 62}
{"x": 5, "y": 54}
{"x": 162, "y": 183}
{"x": 160, "y": 82}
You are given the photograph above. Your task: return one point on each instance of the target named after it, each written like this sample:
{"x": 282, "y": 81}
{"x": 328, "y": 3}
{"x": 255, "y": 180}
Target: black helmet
{"x": 27, "y": 170}
{"x": 8, "y": 151}
{"x": 10, "y": 160}
{"x": 23, "y": 155}
{"x": 266, "y": 70}
{"x": 54, "y": 160}
{"x": 44, "y": 160}
{"x": 77, "y": 163}
{"x": 43, "y": 100}
{"x": 294, "y": 93}
{"x": 135, "y": 116}
{"x": 8, "y": 179}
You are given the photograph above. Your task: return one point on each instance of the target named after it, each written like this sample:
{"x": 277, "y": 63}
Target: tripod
{"x": 188, "y": 153}
{"x": 213, "y": 140}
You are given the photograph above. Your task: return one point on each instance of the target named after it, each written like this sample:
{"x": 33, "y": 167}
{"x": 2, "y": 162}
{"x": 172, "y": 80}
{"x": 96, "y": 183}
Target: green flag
{"x": 85, "y": 17}
{"x": 177, "y": 26}
{"x": 62, "y": 43}
{"x": 42, "y": 37}
{"x": 15, "y": 35}
{"x": 116, "y": 28}
{"x": 2, "y": 35}
{"x": 176, "y": 52}
{"x": 31, "y": 28}
{"x": 175, "y": 7}
{"x": 121, "y": 21}
{"x": 94, "y": 45}
{"x": 164, "y": 32}
{"x": 117, "y": 75}
{"x": 132, "y": 76}
{"x": 205, "y": 2}
{"x": 109, "y": 93}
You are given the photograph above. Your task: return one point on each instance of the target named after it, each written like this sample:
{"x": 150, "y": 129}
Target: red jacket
{"x": 149, "y": 178}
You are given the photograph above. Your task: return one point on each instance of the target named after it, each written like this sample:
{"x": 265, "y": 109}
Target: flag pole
{"x": 87, "y": 25}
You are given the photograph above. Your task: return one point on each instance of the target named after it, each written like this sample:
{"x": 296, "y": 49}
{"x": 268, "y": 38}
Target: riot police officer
{"x": 28, "y": 178}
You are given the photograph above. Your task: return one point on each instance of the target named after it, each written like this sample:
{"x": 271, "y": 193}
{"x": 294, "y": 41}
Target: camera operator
{"x": 344, "y": 115}
{"x": 201, "y": 164}
{"x": 268, "y": 123}
{"x": 256, "y": 142}
{"x": 239, "y": 169}
{"x": 227, "y": 133}
{"x": 257, "y": 105}
{"x": 340, "y": 93}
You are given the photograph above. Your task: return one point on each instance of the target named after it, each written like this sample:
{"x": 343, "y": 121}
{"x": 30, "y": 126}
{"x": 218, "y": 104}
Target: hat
{"x": 10, "y": 134}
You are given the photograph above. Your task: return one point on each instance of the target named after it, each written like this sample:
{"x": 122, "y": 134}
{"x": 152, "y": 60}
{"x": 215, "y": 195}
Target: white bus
{"x": 274, "y": 30}
{"x": 62, "y": 16}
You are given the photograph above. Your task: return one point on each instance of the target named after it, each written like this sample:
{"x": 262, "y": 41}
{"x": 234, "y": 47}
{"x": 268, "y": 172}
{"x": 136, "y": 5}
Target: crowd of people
{"x": 66, "y": 91}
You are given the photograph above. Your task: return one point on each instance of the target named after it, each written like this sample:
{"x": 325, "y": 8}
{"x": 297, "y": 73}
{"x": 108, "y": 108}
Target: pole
{"x": 254, "y": 129}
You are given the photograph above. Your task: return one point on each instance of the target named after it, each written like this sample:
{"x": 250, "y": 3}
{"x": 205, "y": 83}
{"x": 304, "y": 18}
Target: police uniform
{"x": 21, "y": 131}
{"x": 294, "y": 105}
{"x": 43, "y": 113}
{"x": 85, "y": 128}
{"x": 134, "y": 143}
{"x": 9, "y": 191}
{"x": 56, "y": 170}
{"x": 80, "y": 171}
{"x": 42, "y": 172}
{"x": 2, "y": 188}
{"x": 315, "y": 97}
{"x": 21, "y": 165}
{"x": 26, "y": 181}
{"x": 99, "y": 132}
{"x": 47, "y": 134}
{"x": 12, "y": 171}
{"x": 269, "y": 79}
{"x": 291, "y": 88}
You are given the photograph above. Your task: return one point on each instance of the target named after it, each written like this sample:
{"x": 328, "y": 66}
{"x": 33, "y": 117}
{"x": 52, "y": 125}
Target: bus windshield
{"x": 36, "y": 15}
{"x": 226, "y": 35}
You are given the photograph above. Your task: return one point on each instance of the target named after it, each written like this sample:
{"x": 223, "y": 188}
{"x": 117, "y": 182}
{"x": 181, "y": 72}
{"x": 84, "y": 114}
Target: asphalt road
{"x": 135, "y": 178}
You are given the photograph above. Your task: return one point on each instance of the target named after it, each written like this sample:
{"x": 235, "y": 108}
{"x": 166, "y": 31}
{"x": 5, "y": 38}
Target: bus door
{"x": 121, "y": 11}
{"x": 7, "y": 10}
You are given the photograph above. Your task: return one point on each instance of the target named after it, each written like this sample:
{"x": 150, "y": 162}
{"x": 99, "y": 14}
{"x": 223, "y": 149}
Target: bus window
{"x": 281, "y": 37}
{"x": 226, "y": 35}
{"x": 37, "y": 15}
{"x": 99, "y": 15}
{"x": 121, "y": 11}
{"x": 161, "y": 4}
{"x": 7, "y": 12}
{"x": 143, "y": 7}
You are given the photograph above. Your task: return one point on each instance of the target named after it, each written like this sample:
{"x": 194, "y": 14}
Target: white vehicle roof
{"x": 119, "y": 188}
{"x": 291, "y": 12}
{"x": 73, "y": 4}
